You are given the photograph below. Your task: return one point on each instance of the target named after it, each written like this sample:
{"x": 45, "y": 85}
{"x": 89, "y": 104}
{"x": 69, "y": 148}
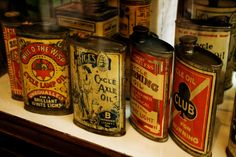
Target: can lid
{"x": 98, "y": 43}
{"x": 188, "y": 42}
{"x": 42, "y": 30}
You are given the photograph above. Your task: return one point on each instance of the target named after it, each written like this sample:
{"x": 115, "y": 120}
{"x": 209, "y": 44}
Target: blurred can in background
{"x": 9, "y": 24}
{"x": 133, "y": 13}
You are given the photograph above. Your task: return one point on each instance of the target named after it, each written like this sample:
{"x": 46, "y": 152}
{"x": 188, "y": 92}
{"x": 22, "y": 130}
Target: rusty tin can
{"x": 151, "y": 76}
{"x": 231, "y": 148}
{"x": 95, "y": 18}
{"x": 9, "y": 24}
{"x": 212, "y": 38}
{"x": 98, "y": 72}
{"x": 195, "y": 85}
{"x": 132, "y": 13}
{"x": 226, "y": 11}
{"x": 44, "y": 51}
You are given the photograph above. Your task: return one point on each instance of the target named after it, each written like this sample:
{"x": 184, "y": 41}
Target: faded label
{"x": 45, "y": 73}
{"x": 97, "y": 89}
{"x": 193, "y": 92}
{"x": 149, "y": 92}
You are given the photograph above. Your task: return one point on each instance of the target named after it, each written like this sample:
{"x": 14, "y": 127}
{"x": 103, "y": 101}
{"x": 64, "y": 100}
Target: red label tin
{"x": 45, "y": 69}
{"x": 151, "y": 73}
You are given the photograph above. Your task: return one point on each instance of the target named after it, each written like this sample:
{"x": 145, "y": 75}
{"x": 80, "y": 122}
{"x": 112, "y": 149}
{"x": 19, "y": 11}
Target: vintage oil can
{"x": 151, "y": 77}
{"x": 195, "y": 85}
{"x": 44, "y": 61}
{"x": 98, "y": 72}
{"x": 231, "y": 148}
{"x": 215, "y": 39}
{"x": 132, "y": 13}
{"x": 9, "y": 24}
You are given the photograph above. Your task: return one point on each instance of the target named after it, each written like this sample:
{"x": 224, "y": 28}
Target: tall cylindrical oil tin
{"x": 213, "y": 38}
{"x": 226, "y": 11}
{"x": 195, "y": 85}
{"x": 44, "y": 51}
{"x": 231, "y": 148}
{"x": 151, "y": 76}
{"x": 98, "y": 71}
{"x": 132, "y": 13}
{"x": 9, "y": 24}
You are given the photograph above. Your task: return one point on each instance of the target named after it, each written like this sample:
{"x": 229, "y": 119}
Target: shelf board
{"x": 60, "y": 135}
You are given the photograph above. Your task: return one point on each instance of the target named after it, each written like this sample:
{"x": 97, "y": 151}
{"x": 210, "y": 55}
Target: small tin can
{"x": 195, "y": 85}
{"x": 151, "y": 76}
{"x": 99, "y": 20}
{"x": 212, "y": 38}
{"x": 44, "y": 61}
{"x": 98, "y": 72}
{"x": 132, "y": 13}
{"x": 231, "y": 148}
{"x": 9, "y": 24}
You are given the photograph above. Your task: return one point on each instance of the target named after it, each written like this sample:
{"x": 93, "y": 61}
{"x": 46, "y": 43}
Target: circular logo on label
{"x": 42, "y": 69}
{"x": 103, "y": 62}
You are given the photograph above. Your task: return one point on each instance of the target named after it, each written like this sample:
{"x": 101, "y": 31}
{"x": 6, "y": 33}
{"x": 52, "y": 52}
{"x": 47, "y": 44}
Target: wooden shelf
{"x": 59, "y": 135}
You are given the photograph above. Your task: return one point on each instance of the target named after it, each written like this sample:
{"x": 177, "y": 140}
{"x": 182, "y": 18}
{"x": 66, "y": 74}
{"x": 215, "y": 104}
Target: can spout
{"x": 141, "y": 33}
{"x": 188, "y": 42}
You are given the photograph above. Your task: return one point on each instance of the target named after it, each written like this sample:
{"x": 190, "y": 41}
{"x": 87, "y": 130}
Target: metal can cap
{"x": 188, "y": 42}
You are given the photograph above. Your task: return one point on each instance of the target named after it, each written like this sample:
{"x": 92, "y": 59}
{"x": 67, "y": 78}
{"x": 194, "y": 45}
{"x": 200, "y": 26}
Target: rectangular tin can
{"x": 213, "y": 38}
{"x": 195, "y": 85}
{"x": 98, "y": 70}
{"x": 151, "y": 77}
{"x": 231, "y": 148}
{"x": 45, "y": 68}
{"x": 102, "y": 23}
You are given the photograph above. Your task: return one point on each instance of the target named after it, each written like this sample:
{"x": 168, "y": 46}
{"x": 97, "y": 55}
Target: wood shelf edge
{"x": 50, "y": 139}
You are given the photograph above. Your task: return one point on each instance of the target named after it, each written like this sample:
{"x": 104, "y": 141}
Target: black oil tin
{"x": 151, "y": 80}
{"x": 45, "y": 68}
{"x": 98, "y": 72}
{"x": 195, "y": 86}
